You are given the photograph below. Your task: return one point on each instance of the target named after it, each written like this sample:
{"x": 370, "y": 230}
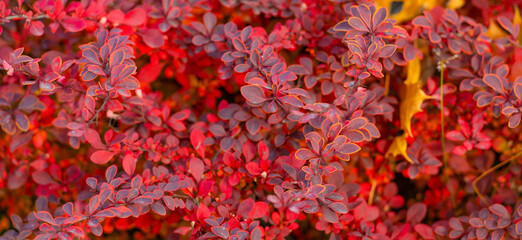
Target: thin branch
{"x": 444, "y": 157}
{"x": 442, "y": 66}
{"x": 487, "y": 172}
{"x": 99, "y": 109}
{"x": 372, "y": 192}
{"x": 22, "y": 16}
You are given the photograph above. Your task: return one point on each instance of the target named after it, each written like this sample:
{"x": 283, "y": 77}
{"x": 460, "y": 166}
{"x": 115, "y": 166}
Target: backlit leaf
{"x": 399, "y": 147}
{"x": 102, "y": 156}
{"x": 412, "y": 96}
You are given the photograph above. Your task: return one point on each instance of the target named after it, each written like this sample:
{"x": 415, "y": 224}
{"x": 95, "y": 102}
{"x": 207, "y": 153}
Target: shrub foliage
{"x": 260, "y": 119}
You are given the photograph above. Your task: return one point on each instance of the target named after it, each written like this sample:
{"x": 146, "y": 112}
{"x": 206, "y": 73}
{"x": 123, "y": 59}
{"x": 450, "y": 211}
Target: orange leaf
{"x": 399, "y": 146}
{"x": 412, "y": 96}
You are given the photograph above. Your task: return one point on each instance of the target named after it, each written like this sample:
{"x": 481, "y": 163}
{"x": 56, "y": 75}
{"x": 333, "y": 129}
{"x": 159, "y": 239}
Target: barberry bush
{"x": 260, "y": 119}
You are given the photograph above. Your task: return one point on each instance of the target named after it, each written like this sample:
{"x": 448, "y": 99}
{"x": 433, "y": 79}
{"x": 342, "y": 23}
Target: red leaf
{"x": 94, "y": 139}
{"x": 183, "y": 230}
{"x": 90, "y": 103}
{"x": 196, "y": 167}
{"x": 416, "y": 212}
{"x": 153, "y": 38}
{"x": 196, "y": 138}
{"x": 253, "y": 168}
{"x": 455, "y": 136}
{"x": 129, "y": 164}
{"x": 36, "y": 28}
{"x": 245, "y": 207}
{"x": 116, "y": 16}
{"x": 263, "y": 150}
{"x": 73, "y": 24}
{"x": 202, "y": 213}
{"x": 150, "y": 72}
{"x": 135, "y": 17}
{"x": 424, "y": 231}
{"x": 205, "y": 187}
{"x": 260, "y": 210}
{"x": 102, "y": 156}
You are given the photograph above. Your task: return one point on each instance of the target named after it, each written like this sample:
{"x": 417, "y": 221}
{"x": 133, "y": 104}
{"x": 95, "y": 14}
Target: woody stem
{"x": 487, "y": 172}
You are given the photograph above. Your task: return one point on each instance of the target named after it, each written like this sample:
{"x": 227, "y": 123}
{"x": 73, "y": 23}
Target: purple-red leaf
{"x": 245, "y": 207}
{"x": 416, "y": 212}
{"x": 220, "y": 232}
{"x": 500, "y": 210}
{"x": 143, "y": 200}
{"x": 253, "y": 94}
{"x": 46, "y": 217}
{"x": 494, "y": 82}
{"x": 153, "y": 38}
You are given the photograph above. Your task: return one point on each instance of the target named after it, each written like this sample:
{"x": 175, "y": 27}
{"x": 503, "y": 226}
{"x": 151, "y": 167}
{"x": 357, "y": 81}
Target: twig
{"x": 372, "y": 192}
{"x": 23, "y": 16}
{"x": 442, "y": 66}
{"x": 99, "y": 109}
{"x": 442, "y": 117}
{"x": 487, "y": 172}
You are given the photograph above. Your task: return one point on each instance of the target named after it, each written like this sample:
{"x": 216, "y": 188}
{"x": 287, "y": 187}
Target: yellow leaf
{"x": 494, "y": 31}
{"x": 399, "y": 146}
{"x": 412, "y": 96}
{"x": 455, "y": 4}
{"x": 414, "y": 72}
{"x": 410, "y": 8}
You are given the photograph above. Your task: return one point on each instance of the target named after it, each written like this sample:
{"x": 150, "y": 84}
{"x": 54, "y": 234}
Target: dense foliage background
{"x": 260, "y": 119}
